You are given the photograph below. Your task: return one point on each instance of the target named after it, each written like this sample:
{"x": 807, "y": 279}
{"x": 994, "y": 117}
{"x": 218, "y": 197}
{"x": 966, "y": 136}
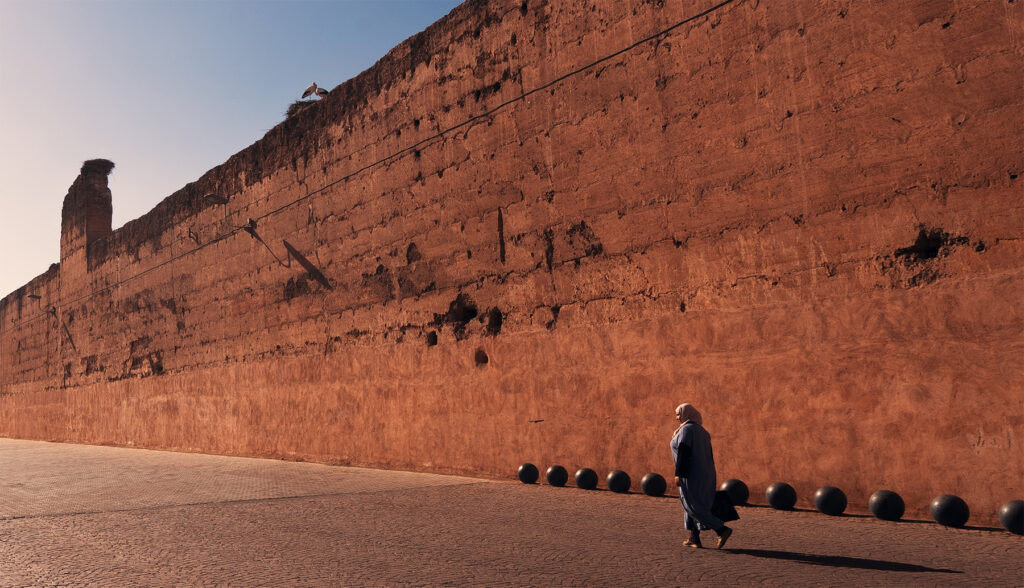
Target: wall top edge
{"x": 301, "y": 134}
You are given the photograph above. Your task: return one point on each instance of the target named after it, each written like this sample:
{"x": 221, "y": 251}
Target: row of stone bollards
{"x": 586, "y": 479}
{"x": 948, "y": 509}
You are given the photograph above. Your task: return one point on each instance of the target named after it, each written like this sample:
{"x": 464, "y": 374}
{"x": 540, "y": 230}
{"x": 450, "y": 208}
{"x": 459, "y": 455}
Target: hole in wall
{"x": 928, "y": 245}
{"x": 549, "y": 249}
{"x": 412, "y": 254}
{"x": 156, "y": 363}
{"x": 494, "y": 320}
{"x": 431, "y": 338}
{"x": 554, "y": 316}
{"x": 460, "y": 312}
{"x": 682, "y": 306}
{"x": 480, "y": 358}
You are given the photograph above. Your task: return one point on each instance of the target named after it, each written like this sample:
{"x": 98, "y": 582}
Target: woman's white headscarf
{"x": 686, "y": 412}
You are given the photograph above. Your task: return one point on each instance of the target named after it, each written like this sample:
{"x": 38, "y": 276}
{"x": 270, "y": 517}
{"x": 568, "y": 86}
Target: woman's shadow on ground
{"x": 840, "y": 561}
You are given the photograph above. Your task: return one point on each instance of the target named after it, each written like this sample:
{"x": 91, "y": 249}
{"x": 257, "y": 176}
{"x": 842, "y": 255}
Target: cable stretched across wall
{"x": 394, "y": 155}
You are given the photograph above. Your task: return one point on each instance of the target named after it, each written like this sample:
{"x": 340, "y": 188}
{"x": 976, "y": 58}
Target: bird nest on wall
{"x": 298, "y": 106}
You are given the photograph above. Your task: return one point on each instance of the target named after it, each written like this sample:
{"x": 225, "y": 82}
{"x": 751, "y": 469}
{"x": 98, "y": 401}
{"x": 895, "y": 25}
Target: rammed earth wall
{"x": 804, "y": 218}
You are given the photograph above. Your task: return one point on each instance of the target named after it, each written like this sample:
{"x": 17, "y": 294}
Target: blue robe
{"x": 695, "y": 467}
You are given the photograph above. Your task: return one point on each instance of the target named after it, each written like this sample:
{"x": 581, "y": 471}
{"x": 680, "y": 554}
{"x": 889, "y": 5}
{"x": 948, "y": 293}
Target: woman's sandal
{"x": 689, "y": 543}
{"x": 724, "y": 536}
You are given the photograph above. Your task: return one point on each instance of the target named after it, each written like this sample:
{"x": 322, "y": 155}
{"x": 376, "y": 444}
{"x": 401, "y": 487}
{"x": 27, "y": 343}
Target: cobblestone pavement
{"x": 82, "y": 515}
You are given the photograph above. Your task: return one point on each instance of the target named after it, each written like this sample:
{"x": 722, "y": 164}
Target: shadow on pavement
{"x": 867, "y": 516}
{"x": 966, "y": 527}
{"x": 840, "y": 561}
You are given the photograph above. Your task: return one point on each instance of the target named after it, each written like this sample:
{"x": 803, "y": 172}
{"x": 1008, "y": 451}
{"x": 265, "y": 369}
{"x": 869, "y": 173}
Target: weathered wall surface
{"x": 804, "y": 218}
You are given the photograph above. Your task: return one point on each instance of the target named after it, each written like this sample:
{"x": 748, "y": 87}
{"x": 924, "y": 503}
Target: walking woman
{"x": 695, "y": 476}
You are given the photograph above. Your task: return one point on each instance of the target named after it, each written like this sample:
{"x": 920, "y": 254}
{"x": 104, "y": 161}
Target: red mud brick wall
{"x": 803, "y": 217}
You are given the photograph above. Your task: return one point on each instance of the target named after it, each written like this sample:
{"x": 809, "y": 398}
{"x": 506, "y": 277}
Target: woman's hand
{"x": 678, "y": 483}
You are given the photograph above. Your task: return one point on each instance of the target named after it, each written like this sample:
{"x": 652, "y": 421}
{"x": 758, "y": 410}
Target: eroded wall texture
{"x": 805, "y": 218}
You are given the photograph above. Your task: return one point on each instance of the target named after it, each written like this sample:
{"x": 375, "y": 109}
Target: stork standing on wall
{"x": 314, "y": 89}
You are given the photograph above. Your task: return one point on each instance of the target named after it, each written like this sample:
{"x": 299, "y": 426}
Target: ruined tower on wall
{"x": 804, "y": 218}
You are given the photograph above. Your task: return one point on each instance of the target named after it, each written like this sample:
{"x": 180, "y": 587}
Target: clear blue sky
{"x": 164, "y": 89}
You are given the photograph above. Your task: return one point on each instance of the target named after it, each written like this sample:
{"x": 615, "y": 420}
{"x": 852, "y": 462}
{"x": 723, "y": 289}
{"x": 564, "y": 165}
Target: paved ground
{"x": 81, "y": 515}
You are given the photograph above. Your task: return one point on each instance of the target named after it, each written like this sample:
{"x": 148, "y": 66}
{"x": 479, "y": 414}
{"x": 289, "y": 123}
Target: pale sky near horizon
{"x": 165, "y": 89}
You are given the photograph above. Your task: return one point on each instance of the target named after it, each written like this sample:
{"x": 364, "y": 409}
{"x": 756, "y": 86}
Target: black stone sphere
{"x": 781, "y": 496}
{"x": 586, "y": 478}
{"x": 556, "y": 475}
{"x": 618, "y": 481}
{"x": 1011, "y": 516}
{"x": 737, "y": 491}
{"x": 528, "y": 473}
{"x": 653, "y": 485}
{"x": 886, "y": 505}
{"x": 830, "y": 500}
{"x": 950, "y": 510}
